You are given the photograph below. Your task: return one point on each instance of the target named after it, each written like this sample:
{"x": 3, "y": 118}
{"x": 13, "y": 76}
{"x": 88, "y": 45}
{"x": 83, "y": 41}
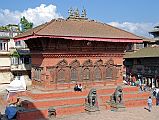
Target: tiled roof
{"x": 143, "y": 53}
{"x": 78, "y": 28}
{"x": 145, "y": 39}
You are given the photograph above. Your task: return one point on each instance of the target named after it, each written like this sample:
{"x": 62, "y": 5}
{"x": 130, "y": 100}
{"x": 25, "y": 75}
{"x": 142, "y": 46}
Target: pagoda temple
{"x": 76, "y": 50}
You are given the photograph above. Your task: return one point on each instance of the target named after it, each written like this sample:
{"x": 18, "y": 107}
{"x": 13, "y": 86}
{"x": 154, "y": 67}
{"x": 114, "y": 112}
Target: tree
{"x": 25, "y": 24}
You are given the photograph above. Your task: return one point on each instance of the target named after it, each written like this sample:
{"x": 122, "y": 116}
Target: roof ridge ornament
{"x": 74, "y": 14}
{"x": 84, "y": 14}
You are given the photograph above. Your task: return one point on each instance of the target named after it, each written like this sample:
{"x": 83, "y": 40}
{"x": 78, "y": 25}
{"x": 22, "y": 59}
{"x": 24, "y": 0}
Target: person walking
{"x": 140, "y": 85}
{"x": 149, "y": 102}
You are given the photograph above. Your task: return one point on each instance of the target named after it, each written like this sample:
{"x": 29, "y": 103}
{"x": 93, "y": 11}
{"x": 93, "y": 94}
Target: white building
{"x": 14, "y": 58}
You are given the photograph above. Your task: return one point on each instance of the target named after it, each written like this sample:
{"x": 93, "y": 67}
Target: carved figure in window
{"x": 86, "y": 74}
{"x": 74, "y": 75}
{"x": 61, "y": 75}
{"x": 88, "y": 63}
{"x": 75, "y": 64}
{"x": 99, "y": 62}
{"x": 62, "y": 63}
{"x": 97, "y": 73}
{"x": 110, "y": 62}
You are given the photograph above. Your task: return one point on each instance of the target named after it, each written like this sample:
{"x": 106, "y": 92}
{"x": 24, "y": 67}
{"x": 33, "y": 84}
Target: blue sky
{"x": 137, "y": 16}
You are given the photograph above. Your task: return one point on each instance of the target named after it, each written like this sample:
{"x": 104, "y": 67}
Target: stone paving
{"x": 140, "y": 113}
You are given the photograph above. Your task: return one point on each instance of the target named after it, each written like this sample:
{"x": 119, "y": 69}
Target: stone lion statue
{"x": 91, "y": 101}
{"x": 92, "y": 97}
{"x": 117, "y": 96}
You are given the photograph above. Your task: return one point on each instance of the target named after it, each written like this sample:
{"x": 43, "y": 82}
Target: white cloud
{"x": 140, "y": 29}
{"x": 36, "y": 15}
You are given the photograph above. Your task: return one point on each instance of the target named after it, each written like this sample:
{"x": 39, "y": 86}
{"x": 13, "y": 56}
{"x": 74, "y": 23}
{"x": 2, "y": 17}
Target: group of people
{"x": 78, "y": 87}
{"x": 130, "y": 80}
{"x": 143, "y": 83}
{"x": 156, "y": 95}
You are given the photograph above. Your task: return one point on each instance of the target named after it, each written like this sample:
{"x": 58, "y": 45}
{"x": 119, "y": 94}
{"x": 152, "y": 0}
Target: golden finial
{"x": 84, "y": 14}
{"x": 76, "y": 13}
{"x": 70, "y": 12}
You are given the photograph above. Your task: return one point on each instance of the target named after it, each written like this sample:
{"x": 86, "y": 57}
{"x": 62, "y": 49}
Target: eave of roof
{"x": 83, "y": 38}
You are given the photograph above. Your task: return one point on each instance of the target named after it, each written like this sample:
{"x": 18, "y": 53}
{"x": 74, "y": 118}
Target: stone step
{"x": 135, "y": 102}
{"x": 86, "y": 85}
{"x": 138, "y": 102}
{"x": 72, "y": 93}
{"x": 48, "y": 103}
{"x": 42, "y": 113}
{"x": 33, "y": 114}
{"x": 126, "y": 96}
{"x": 74, "y": 100}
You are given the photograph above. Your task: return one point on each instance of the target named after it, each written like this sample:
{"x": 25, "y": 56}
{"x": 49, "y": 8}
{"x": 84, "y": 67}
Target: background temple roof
{"x": 145, "y": 52}
{"x": 78, "y": 28}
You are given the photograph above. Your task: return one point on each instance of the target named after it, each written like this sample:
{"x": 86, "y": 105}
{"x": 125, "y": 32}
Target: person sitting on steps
{"x": 78, "y": 87}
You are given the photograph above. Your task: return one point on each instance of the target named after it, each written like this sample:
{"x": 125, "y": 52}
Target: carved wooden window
{"x": 61, "y": 75}
{"x": 109, "y": 73}
{"x": 86, "y": 74}
{"x": 74, "y": 74}
{"x": 97, "y": 73}
{"x": 37, "y": 73}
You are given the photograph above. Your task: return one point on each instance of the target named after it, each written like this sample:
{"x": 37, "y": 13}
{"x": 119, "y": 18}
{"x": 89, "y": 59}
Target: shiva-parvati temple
{"x": 76, "y": 50}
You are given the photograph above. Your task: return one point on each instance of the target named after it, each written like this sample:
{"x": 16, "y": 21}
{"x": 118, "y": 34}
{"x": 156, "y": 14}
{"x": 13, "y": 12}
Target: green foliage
{"x": 4, "y": 28}
{"x": 15, "y": 54}
{"x": 26, "y": 25}
{"x": 9, "y": 27}
{"x": 24, "y": 22}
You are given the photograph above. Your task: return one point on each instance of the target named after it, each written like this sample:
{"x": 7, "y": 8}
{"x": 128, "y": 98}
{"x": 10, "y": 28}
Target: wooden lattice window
{"x": 37, "y": 73}
{"x": 97, "y": 73}
{"x": 61, "y": 75}
{"x": 74, "y": 74}
{"x": 86, "y": 74}
{"x": 109, "y": 73}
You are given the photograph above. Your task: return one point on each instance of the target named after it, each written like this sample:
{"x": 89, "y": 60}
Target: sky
{"x": 136, "y": 16}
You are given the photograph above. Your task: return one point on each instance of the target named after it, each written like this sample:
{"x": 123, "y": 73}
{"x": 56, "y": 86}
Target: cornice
{"x": 45, "y": 55}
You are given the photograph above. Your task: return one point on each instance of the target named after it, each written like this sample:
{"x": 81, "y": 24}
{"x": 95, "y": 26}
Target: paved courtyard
{"x": 130, "y": 114}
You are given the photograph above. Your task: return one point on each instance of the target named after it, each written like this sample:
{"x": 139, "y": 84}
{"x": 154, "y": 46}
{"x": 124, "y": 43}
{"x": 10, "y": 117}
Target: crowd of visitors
{"x": 145, "y": 84}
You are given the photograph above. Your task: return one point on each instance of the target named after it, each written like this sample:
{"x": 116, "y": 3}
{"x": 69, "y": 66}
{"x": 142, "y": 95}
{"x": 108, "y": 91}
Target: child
{"x": 149, "y": 102}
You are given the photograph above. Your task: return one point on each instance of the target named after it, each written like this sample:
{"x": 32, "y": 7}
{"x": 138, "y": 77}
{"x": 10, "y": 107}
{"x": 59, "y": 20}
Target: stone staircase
{"x": 36, "y": 104}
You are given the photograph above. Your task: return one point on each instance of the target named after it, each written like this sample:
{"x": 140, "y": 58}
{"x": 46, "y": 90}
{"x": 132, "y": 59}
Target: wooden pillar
{"x": 68, "y": 79}
{"x": 91, "y": 75}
